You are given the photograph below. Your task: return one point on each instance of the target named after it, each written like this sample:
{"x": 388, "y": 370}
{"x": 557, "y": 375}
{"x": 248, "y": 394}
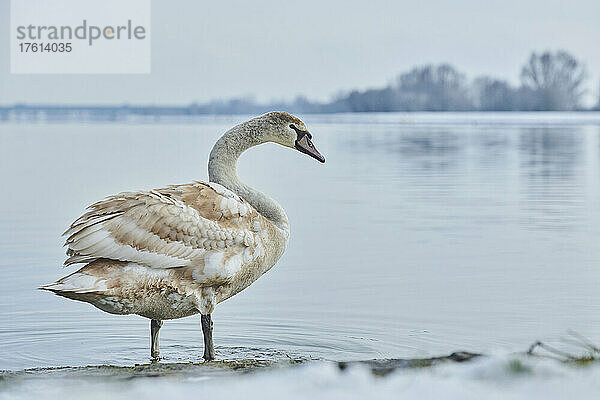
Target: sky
{"x": 203, "y": 50}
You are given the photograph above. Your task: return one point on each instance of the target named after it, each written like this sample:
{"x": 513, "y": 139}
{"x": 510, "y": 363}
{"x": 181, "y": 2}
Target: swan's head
{"x": 288, "y": 130}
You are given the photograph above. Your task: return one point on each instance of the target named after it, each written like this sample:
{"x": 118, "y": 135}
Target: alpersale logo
{"x": 80, "y": 36}
{"x": 85, "y": 31}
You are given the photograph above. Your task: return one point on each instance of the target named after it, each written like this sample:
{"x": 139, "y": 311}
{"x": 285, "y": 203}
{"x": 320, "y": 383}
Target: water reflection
{"x": 552, "y": 180}
{"x": 552, "y": 153}
{"x": 546, "y": 163}
{"x": 416, "y": 149}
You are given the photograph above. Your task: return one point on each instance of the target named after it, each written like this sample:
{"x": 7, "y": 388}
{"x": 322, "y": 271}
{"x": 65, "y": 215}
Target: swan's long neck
{"x": 222, "y": 170}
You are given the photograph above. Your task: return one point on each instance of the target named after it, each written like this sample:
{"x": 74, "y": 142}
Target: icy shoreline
{"x": 515, "y": 376}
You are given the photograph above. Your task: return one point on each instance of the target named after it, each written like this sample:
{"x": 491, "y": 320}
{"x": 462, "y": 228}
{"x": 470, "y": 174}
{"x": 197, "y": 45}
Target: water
{"x": 420, "y": 236}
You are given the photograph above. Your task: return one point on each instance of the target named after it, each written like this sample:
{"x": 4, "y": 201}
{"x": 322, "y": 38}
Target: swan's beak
{"x": 306, "y": 146}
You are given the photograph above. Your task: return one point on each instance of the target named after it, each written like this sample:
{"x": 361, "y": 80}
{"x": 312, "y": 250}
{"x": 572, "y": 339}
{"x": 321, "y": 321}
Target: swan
{"x": 177, "y": 251}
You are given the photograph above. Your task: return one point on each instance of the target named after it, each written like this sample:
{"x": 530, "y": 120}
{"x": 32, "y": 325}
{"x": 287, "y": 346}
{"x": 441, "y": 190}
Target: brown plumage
{"x": 172, "y": 252}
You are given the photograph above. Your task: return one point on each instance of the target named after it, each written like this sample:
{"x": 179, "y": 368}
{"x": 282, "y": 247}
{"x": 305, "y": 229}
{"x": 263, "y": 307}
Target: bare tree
{"x": 433, "y": 88}
{"x": 556, "y": 80}
{"x": 493, "y": 94}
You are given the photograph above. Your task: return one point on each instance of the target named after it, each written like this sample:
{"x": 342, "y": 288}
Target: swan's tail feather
{"x": 77, "y": 283}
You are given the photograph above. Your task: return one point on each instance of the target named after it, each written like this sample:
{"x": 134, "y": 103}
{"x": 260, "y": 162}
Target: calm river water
{"x": 420, "y": 236}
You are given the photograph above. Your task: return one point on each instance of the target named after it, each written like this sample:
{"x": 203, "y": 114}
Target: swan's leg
{"x": 207, "y": 329}
{"x": 154, "y": 328}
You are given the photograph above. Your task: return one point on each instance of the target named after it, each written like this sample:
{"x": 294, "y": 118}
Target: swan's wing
{"x": 200, "y": 225}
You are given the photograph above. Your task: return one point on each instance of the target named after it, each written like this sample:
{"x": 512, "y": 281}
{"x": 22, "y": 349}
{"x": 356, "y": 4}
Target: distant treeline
{"x": 550, "y": 81}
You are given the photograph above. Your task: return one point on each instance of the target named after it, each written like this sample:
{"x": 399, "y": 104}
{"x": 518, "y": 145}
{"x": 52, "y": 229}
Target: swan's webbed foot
{"x": 207, "y": 329}
{"x": 154, "y": 347}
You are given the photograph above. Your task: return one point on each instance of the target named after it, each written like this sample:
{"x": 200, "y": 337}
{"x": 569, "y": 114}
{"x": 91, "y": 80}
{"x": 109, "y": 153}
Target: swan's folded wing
{"x": 164, "y": 228}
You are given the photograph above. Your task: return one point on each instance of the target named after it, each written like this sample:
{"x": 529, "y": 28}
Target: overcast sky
{"x": 204, "y": 50}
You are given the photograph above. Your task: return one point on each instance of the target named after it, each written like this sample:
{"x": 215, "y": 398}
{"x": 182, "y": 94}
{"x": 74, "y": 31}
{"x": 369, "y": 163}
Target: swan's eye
{"x": 301, "y": 133}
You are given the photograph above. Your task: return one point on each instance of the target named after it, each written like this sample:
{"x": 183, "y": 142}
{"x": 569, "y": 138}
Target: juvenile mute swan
{"x": 173, "y": 252}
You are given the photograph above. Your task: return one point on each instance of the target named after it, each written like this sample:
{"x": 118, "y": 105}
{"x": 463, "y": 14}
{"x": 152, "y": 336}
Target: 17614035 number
{"x": 27, "y": 47}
